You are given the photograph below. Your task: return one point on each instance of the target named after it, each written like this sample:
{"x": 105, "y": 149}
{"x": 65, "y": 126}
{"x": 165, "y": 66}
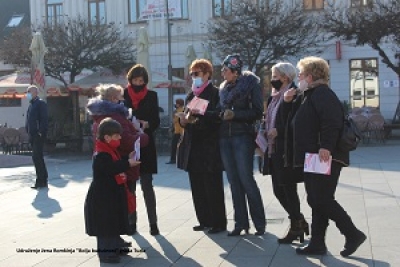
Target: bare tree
{"x": 14, "y": 49}
{"x": 264, "y": 35}
{"x": 376, "y": 24}
{"x": 73, "y": 46}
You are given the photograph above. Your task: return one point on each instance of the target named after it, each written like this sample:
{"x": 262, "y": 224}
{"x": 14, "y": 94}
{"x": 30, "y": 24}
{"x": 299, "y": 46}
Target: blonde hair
{"x": 317, "y": 67}
{"x": 108, "y": 91}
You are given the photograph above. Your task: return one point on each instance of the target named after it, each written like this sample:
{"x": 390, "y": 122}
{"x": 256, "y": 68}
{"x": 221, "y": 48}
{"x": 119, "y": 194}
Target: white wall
{"x": 14, "y": 116}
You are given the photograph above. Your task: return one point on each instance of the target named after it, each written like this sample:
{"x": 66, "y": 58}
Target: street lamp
{"x": 170, "y": 97}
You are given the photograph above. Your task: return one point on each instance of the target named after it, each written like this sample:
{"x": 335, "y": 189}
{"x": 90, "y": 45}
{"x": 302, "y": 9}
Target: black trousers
{"x": 146, "y": 182}
{"x": 321, "y": 198}
{"x": 108, "y": 245}
{"x": 288, "y": 197}
{"x": 208, "y": 198}
{"x": 37, "y": 143}
{"x": 286, "y": 193}
{"x": 174, "y": 143}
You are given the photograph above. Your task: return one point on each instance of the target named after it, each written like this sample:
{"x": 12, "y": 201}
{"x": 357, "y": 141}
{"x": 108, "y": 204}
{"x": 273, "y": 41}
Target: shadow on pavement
{"x": 170, "y": 256}
{"x": 46, "y": 205}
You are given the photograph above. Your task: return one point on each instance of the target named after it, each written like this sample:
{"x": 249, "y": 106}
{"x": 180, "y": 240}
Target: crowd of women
{"x": 301, "y": 119}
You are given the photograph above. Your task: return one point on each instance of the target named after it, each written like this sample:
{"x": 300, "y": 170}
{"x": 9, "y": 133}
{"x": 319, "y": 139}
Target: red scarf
{"x": 119, "y": 178}
{"x": 136, "y": 97}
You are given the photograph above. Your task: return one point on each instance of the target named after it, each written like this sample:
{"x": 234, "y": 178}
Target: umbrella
{"x": 38, "y": 50}
{"x": 143, "y": 49}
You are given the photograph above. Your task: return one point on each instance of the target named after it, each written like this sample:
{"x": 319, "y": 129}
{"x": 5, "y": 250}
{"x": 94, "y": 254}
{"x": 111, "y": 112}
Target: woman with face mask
{"x": 201, "y": 155}
{"x": 317, "y": 126}
{"x": 144, "y": 105}
{"x": 278, "y": 161}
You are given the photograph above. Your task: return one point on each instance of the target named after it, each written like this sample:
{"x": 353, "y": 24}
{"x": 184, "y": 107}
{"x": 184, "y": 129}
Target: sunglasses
{"x": 195, "y": 73}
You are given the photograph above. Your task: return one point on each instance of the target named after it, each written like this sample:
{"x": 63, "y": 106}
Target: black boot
{"x": 296, "y": 232}
{"x": 352, "y": 243}
{"x": 312, "y": 249}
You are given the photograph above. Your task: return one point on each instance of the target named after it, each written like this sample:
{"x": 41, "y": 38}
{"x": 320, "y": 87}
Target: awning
{"x": 15, "y": 92}
{"x": 15, "y": 85}
{"x": 159, "y": 80}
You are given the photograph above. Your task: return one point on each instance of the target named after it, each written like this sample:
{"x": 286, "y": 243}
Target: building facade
{"x": 357, "y": 74}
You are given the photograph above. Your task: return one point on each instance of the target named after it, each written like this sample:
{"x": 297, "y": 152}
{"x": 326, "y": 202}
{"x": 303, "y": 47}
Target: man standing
{"x": 178, "y": 130}
{"x": 36, "y": 126}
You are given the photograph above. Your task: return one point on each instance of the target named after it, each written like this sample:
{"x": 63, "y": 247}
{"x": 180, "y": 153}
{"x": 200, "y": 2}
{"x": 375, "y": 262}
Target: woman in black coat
{"x": 284, "y": 176}
{"x": 144, "y": 104}
{"x": 201, "y": 157}
{"x": 316, "y": 129}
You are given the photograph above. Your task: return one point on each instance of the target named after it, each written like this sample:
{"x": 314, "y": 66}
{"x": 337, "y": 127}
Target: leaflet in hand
{"x": 198, "y": 103}
{"x": 313, "y": 164}
{"x": 137, "y": 149}
{"x": 261, "y": 141}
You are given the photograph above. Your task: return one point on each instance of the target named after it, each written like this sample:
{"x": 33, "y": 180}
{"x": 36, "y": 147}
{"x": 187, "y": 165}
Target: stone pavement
{"x": 46, "y": 227}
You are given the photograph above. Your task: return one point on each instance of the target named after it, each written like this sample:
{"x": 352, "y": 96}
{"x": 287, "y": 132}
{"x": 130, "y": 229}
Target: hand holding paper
{"x": 312, "y": 163}
{"x": 199, "y": 104}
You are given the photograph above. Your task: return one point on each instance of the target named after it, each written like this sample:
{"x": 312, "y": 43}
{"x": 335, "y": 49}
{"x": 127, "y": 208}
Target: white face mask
{"x": 29, "y": 96}
{"x": 303, "y": 84}
{"x": 197, "y": 81}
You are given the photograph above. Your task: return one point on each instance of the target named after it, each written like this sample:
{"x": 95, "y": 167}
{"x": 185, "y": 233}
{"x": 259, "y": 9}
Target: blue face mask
{"x": 29, "y": 96}
{"x": 197, "y": 81}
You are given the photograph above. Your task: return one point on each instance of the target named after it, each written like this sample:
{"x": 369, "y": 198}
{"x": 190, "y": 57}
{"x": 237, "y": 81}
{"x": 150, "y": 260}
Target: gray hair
{"x": 286, "y": 69}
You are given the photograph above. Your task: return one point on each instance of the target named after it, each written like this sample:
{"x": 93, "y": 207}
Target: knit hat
{"x": 233, "y": 62}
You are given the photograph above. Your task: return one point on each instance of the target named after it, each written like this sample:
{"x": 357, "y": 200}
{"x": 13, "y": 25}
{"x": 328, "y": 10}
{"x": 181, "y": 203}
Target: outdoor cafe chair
{"x": 376, "y": 126}
{"x": 361, "y": 122}
{"x": 11, "y": 140}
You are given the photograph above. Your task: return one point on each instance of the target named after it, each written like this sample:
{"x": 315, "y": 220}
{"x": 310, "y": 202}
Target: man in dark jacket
{"x": 36, "y": 126}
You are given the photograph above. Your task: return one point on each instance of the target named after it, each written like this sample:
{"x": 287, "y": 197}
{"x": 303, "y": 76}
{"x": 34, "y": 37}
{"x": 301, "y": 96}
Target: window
{"x": 361, "y": 3}
{"x": 10, "y": 102}
{"x": 97, "y": 11}
{"x": 364, "y": 89}
{"x": 54, "y": 10}
{"x": 141, "y": 10}
{"x": 15, "y": 21}
{"x": 222, "y": 8}
{"x": 313, "y": 4}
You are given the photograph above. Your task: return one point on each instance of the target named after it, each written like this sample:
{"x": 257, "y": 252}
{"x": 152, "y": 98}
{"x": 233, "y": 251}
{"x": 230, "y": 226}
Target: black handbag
{"x": 266, "y": 168}
{"x": 182, "y": 151}
{"x": 350, "y": 136}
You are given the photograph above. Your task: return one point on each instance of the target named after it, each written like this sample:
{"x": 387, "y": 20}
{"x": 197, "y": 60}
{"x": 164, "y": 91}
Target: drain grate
{"x": 275, "y": 221}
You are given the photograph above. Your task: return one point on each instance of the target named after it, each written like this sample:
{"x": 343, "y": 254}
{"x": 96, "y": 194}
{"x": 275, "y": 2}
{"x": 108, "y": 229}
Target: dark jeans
{"x": 237, "y": 154}
{"x": 107, "y": 245}
{"x": 37, "y": 143}
{"x": 321, "y": 198}
{"x": 208, "y": 198}
{"x": 174, "y": 143}
{"x": 146, "y": 182}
